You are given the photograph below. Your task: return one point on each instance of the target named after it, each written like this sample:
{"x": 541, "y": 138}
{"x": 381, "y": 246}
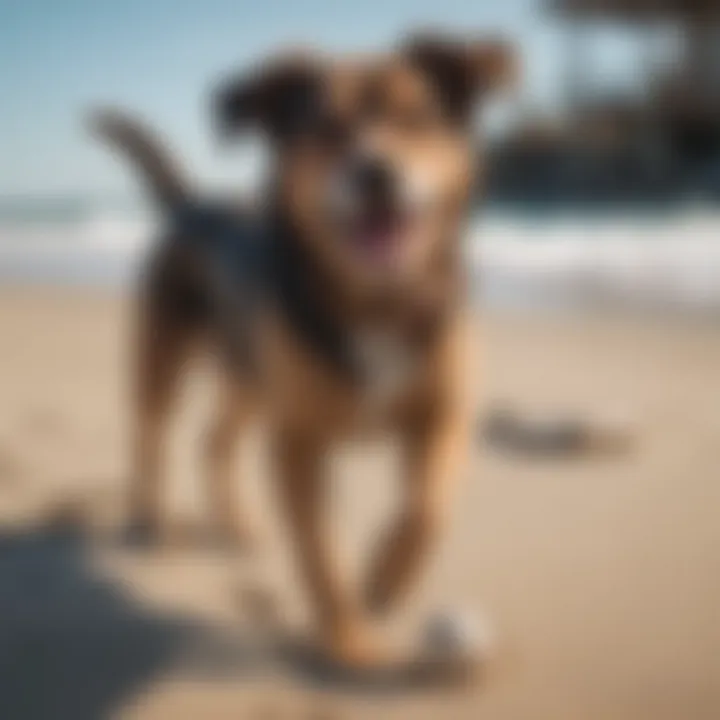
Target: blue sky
{"x": 159, "y": 57}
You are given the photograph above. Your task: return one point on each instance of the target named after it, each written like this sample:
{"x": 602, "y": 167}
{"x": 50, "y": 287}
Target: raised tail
{"x": 166, "y": 182}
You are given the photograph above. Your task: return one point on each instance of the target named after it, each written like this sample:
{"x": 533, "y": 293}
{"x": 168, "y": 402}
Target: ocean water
{"x": 668, "y": 259}
{"x": 76, "y": 242}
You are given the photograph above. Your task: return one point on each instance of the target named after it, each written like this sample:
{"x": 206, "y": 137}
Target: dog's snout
{"x": 374, "y": 179}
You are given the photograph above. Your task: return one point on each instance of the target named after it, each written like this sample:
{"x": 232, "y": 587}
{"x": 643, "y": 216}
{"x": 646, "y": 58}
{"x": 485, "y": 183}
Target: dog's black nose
{"x": 374, "y": 179}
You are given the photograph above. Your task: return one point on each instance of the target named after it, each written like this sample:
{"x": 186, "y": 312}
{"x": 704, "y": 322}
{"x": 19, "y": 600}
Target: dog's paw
{"x": 357, "y": 650}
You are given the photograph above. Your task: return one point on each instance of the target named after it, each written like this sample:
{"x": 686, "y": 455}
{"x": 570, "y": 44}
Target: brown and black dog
{"x": 338, "y": 305}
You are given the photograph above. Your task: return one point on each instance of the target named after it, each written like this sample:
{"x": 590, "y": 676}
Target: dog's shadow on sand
{"x": 78, "y": 644}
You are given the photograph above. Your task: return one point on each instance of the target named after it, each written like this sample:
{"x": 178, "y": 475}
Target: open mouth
{"x": 379, "y": 233}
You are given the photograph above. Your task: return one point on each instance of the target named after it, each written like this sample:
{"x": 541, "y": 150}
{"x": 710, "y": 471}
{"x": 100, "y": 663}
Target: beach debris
{"x": 455, "y": 648}
{"x": 556, "y": 435}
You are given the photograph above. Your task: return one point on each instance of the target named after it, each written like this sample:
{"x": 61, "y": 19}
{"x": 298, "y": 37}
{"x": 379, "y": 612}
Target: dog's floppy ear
{"x": 463, "y": 71}
{"x": 273, "y": 99}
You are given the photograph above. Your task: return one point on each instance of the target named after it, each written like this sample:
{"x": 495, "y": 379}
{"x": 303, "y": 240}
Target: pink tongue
{"x": 378, "y": 237}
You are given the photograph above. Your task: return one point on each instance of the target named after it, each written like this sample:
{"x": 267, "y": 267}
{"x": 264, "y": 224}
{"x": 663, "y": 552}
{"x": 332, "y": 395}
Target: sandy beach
{"x": 601, "y": 577}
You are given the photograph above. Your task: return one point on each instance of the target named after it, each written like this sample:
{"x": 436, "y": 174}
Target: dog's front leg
{"x": 303, "y": 487}
{"x": 435, "y": 446}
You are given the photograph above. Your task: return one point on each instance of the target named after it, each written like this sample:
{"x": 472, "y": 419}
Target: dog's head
{"x": 374, "y": 159}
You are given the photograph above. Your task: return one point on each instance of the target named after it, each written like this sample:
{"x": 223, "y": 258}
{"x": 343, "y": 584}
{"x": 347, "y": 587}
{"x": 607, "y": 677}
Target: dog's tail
{"x": 165, "y": 181}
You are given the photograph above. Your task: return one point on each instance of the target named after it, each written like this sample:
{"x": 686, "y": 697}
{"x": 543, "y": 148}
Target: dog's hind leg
{"x": 163, "y": 348}
{"x": 235, "y": 409}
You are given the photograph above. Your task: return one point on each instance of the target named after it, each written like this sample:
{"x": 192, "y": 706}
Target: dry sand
{"x": 601, "y": 577}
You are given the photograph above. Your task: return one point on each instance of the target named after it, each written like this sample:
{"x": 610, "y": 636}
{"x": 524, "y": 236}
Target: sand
{"x": 601, "y": 576}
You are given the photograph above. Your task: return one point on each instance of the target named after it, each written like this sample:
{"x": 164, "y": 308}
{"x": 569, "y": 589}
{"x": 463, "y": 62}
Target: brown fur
{"x": 413, "y": 109}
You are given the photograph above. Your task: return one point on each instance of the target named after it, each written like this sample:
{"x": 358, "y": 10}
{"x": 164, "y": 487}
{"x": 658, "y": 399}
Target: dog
{"x": 336, "y": 304}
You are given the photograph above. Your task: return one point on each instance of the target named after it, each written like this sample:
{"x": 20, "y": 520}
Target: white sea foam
{"x": 99, "y": 248}
{"x": 673, "y": 261}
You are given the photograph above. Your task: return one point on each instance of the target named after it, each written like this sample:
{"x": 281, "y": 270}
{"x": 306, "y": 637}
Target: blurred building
{"x": 661, "y": 143}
